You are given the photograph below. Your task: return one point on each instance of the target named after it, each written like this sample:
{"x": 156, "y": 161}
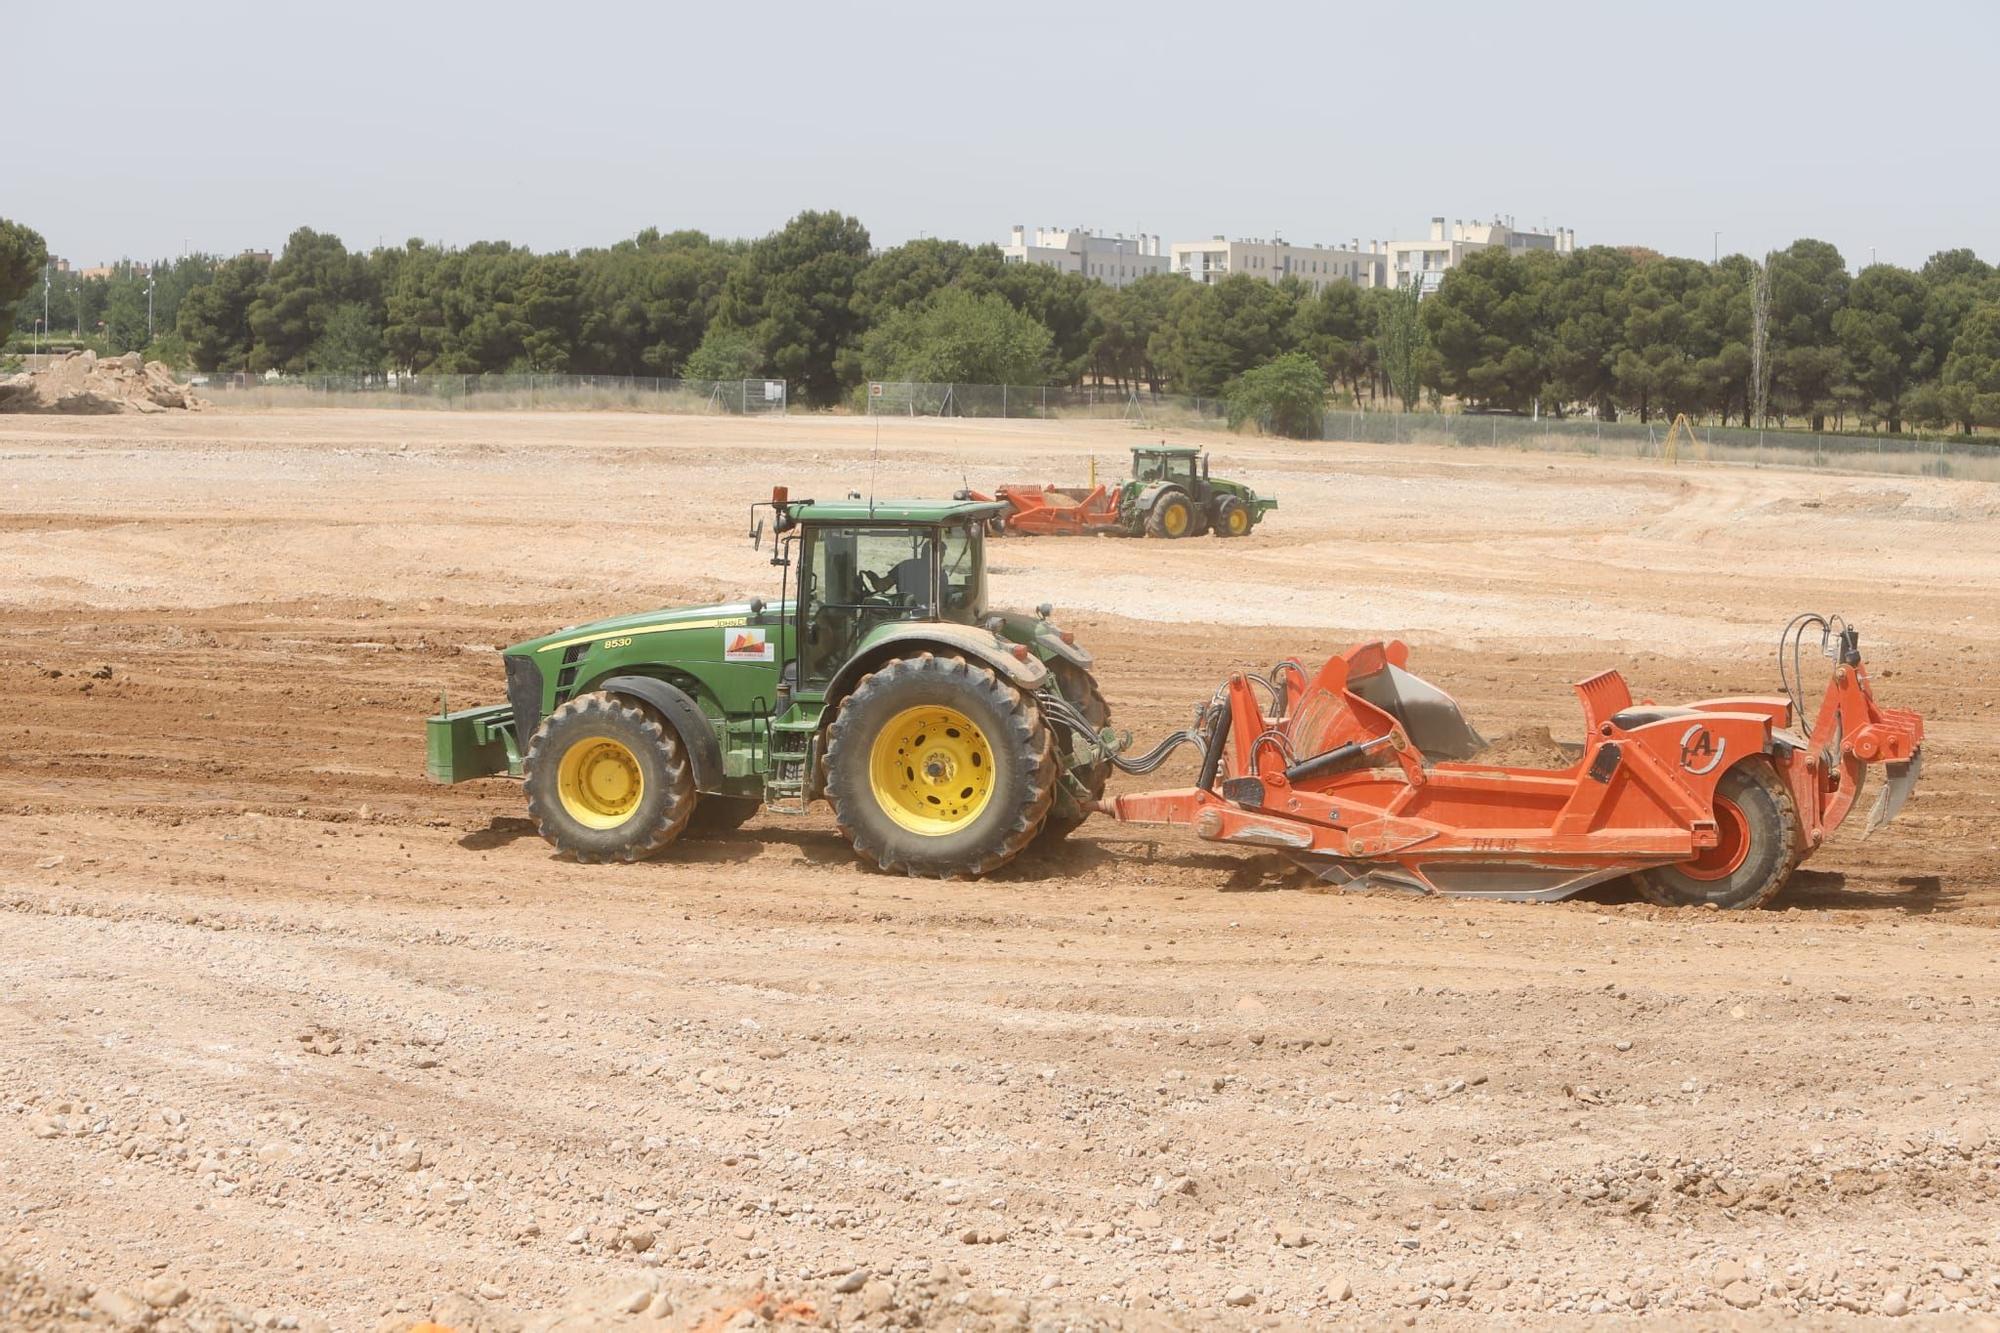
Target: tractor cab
{"x": 862, "y": 566}
{"x": 1178, "y": 464}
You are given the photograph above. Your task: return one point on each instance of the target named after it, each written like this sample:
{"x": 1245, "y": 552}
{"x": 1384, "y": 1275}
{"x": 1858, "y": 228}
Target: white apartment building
{"x": 1427, "y": 261}
{"x": 1113, "y": 260}
{"x": 1317, "y": 266}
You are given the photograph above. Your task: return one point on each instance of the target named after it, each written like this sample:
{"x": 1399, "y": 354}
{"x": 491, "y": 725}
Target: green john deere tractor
{"x": 1171, "y": 494}
{"x": 946, "y": 736}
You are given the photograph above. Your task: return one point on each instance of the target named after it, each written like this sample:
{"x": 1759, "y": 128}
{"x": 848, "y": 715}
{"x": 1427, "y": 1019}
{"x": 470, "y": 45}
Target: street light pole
{"x": 149, "y": 309}
{"x": 1715, "y": 249}
{"x": 42, "y": 345}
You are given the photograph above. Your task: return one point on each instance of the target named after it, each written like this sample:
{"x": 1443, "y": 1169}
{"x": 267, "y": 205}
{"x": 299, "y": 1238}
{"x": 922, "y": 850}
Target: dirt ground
{"x": 292, "y": 1037}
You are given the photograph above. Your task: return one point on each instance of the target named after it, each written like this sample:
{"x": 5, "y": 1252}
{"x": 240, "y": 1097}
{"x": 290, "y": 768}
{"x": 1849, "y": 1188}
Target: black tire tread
{"x": 673, "y": 761}
{"x": 1028, "y": 735}
{"x": 1660, "y": 885}
{"x": 1156, "y": 520}
{"x": 1080, "y": 688}
{"x": 1223, "y": 508}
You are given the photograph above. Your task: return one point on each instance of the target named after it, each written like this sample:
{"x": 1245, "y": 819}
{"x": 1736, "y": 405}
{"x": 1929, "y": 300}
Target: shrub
{"x": 1285, "y": 396}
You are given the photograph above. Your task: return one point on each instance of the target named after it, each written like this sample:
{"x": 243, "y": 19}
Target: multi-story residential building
{"x": 1316, "y": 266}
{"x": 1113, "y": 260}
{"x": 1427, "y": 261}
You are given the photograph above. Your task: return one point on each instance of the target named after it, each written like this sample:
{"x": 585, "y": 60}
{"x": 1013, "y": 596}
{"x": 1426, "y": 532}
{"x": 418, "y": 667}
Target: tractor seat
{"x": 1629, "y": 718}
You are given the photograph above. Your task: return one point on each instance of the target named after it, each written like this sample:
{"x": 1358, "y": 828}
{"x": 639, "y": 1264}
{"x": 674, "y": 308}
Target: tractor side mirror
{"x": 757, "y": 535}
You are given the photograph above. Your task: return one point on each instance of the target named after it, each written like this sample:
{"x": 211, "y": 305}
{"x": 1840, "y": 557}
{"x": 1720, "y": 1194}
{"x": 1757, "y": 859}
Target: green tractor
{"x": 947, "y": 737}
{"x": 1171, "y": 494}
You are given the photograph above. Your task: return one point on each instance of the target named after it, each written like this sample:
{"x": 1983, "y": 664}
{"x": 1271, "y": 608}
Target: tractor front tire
{"x": 938, "y": 767}
{"x": 1757, "y": 851}
{"x": 1232, "y": 518}
{"x": 1066, "y": 816}
{"x": 607, "y": 780}
{"x": 1172, "y": 516}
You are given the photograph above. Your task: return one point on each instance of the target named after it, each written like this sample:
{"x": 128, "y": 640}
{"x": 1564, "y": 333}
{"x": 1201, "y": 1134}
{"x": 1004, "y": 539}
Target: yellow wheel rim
{"x": 600, "y": 782}
{"x": 1175, "y": 520}
{"x": 931, "y": 770}
{"x": 1239, "y": 522}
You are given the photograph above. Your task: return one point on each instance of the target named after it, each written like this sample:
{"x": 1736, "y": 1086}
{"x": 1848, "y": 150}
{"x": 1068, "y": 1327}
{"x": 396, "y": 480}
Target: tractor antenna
{"x": 874, "y": 466}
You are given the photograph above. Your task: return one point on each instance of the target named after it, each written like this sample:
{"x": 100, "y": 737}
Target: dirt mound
{"x": 1527, "y": 747}
{"x": 83, "y": 384}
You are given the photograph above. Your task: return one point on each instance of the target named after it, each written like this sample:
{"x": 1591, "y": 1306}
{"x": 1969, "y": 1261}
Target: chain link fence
{"x": 1582, "y": 436}
{"x": 1633, "y": 439}
{"x": 749, "y": 397}
{"x": 1092, "y": 402}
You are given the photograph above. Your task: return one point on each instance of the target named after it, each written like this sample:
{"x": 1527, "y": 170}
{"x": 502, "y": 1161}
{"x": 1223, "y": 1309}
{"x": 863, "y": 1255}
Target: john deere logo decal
{"x": 746, "y": 644}
{"x": 1700, "y": 750}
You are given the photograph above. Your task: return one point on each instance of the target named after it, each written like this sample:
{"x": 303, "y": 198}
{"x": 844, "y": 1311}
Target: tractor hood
{"x": 646, "y": 622}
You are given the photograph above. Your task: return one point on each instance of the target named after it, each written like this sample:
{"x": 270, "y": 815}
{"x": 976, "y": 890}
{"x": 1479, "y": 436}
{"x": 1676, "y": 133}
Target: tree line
{"x": 1604, "y": 331}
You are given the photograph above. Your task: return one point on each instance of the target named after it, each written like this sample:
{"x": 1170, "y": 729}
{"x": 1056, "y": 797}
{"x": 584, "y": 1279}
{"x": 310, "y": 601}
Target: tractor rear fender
{"x": 980, "y": 645}
{"x": 684, "y": 715}
{"x": 1053, "y": 644}
{"x": 1150, "y": 496}
{"x": 1044, "y": 638}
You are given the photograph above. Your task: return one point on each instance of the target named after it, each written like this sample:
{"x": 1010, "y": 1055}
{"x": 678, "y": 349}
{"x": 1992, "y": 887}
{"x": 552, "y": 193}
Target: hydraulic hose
{"x": 1062, "y": 713}
{"x": 1218, "y": 736}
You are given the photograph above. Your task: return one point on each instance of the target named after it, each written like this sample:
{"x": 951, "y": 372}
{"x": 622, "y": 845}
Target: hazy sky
{"x": 225, "y": 126}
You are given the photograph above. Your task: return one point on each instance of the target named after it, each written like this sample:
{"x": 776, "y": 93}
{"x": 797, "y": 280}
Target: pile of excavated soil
{"x": 85, "y": 385}
{"x": 1526, "y": 747}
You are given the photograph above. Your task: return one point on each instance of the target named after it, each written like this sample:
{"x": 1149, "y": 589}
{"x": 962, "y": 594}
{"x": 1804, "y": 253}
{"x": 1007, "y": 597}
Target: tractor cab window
{"x": 963, "y": 557}
{"x": 1164, "y": 467}
{"x": 857, "y": 578}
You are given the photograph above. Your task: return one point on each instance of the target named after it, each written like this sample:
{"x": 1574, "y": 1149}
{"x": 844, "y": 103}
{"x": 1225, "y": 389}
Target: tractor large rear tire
{"x": 938, "y": 767}
{"x": 1172, "y": 516}
{"x": 1759, "y": 846}
{"x": 607, "y": 780}
{"x": 1080, "y": 688}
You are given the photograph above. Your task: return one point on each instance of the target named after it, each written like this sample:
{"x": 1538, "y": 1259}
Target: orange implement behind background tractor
{"x": 1360, "y": 772}
{"x": 1171, "y": 494}
{"x": 1053, "y": 511}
